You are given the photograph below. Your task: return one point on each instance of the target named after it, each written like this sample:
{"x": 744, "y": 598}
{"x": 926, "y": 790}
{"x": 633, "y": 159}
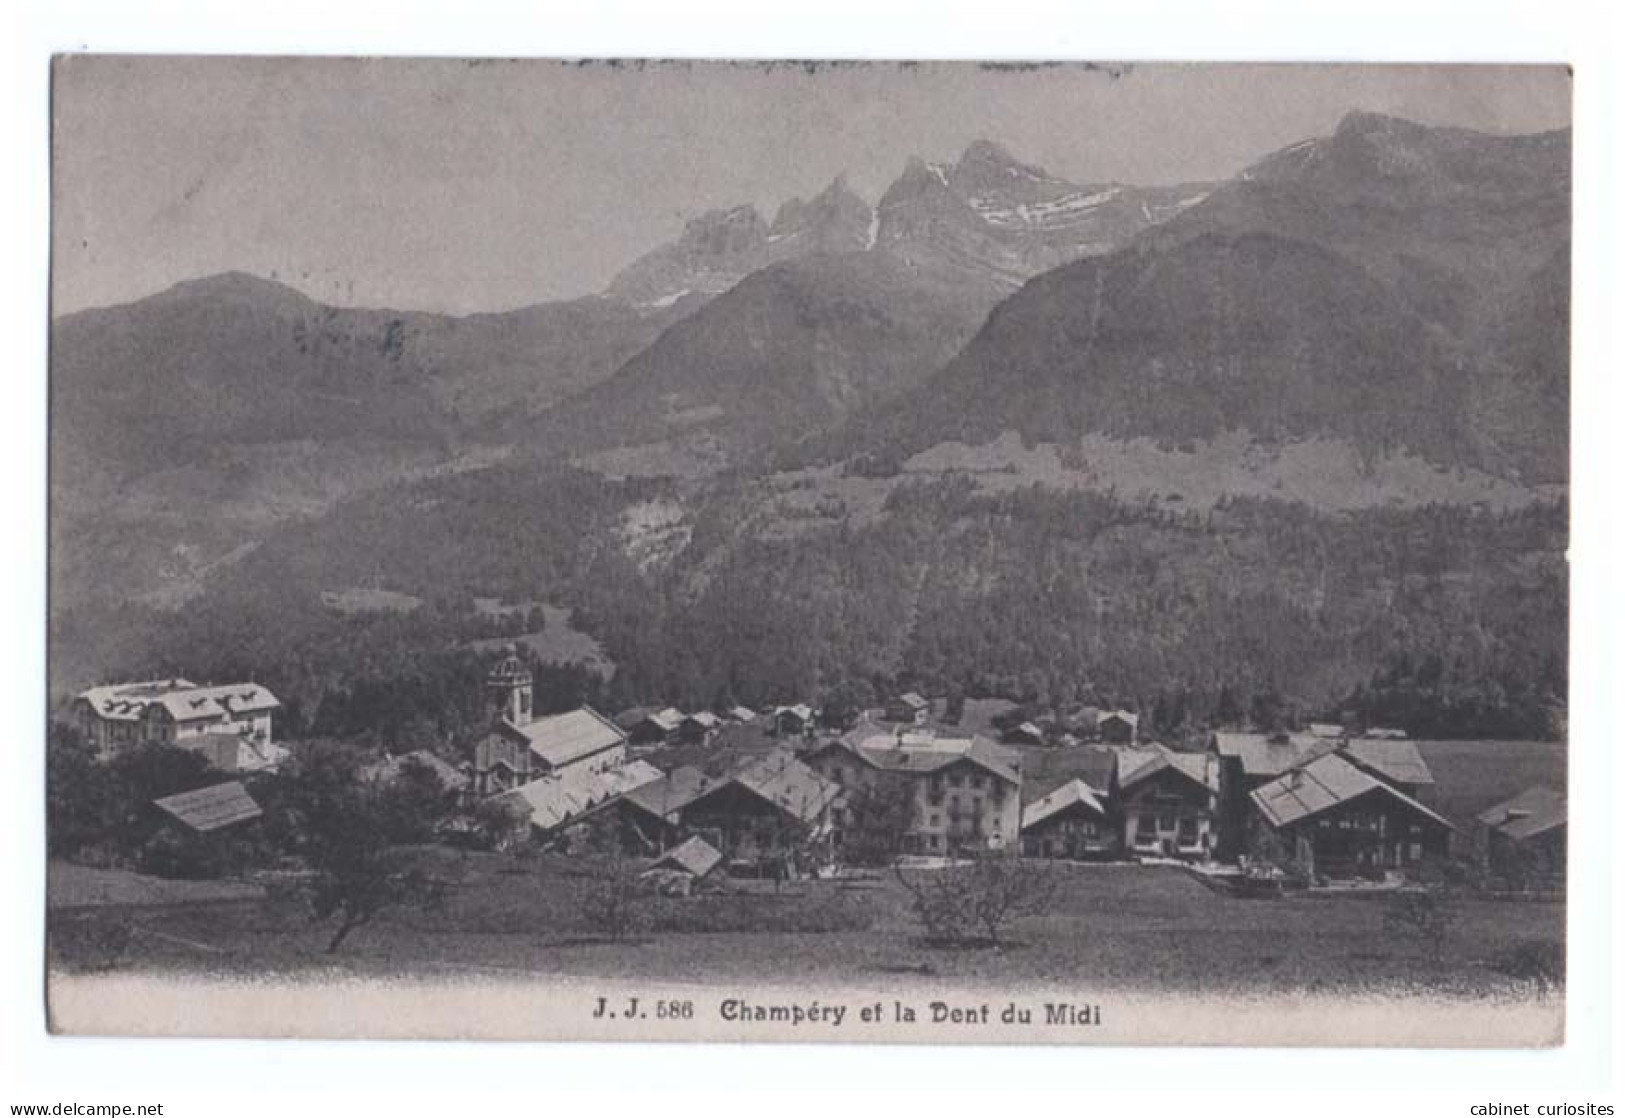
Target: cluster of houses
{"x": 1334, "y": 805}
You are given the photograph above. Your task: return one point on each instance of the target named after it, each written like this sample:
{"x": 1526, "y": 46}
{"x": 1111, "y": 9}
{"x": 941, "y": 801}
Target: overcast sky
{"x": 453, "y": 186}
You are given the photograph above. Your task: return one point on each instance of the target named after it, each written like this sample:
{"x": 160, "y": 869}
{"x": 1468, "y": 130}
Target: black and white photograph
{"x": 881, "y": 552}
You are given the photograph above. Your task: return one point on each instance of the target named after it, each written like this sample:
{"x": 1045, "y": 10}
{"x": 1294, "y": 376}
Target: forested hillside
{"x": 1449, "y": 621}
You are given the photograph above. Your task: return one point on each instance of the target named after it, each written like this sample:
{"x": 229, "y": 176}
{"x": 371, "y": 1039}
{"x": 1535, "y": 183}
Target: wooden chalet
{"x": 1073, "y": 821}
{"x": 756, "y": 810}
{"x": 1337, "y": 819}
{"x": 1168, "y": 802}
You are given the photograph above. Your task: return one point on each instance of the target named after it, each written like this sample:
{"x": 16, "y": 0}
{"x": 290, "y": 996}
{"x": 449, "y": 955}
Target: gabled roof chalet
{"x": 1140, "y": 763}
{"x": 1322, "y": 784}
{"x": 1073, "y": 793}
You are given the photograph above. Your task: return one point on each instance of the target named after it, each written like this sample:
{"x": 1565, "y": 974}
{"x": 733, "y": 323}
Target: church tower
{"x": 507, "y": 689}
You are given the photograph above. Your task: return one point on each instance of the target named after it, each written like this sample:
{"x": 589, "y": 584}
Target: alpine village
{"x": 1001, "y": 581}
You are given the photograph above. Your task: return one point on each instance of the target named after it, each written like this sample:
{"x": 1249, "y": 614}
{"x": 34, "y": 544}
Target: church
{"x": 521, "y": 747}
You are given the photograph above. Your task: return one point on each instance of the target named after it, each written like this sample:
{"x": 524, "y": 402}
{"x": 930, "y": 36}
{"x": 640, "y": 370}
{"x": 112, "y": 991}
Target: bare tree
{"x": 971, "y": 904}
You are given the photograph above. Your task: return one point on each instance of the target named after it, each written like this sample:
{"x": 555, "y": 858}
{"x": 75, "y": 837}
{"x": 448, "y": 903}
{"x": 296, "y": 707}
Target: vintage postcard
{"x": 819, "y": 551}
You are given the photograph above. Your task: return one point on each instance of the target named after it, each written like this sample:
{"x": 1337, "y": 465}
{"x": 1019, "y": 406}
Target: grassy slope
{"x": 1110, "y": 928}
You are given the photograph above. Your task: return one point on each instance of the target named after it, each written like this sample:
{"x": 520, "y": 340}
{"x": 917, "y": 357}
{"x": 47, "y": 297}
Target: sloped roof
{"x": 742, "y": 714}
{"x": 704, "y": 719}
{"x": 1326, "y": 729}
{"x": 198, "y": 703}
{"x": 696, "y": 856}
{"x": 925, "y": 751}
{"x": 913, "y": 699}
{"x": 390, "y": 768}
{"x": 667, "y": 718}
{"x": 209, "y": 809}
{"x": 1322, "y": 784}
{"x": 560, "y": 739}
{"x": 1531, "y": 812}
{"x": 564, "y": 797}
{"x": 1270, "y": 755}
{"x": 1397, "y": 759}
{"x": 666, "y": 796}
{"x": 800, "y": 710}
{"x": 124, "y": 702}
{"x": 789, "y": 785}
{"x": 1074, "y": 792}
{"x": 1126, "y": 715}
{"x": 1142, "y": 762}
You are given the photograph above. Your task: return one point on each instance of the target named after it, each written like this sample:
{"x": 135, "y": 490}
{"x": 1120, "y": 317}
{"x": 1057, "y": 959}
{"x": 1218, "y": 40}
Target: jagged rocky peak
{"x": 989, "y": 166}
{"x": 837, "y": 219}
{"x": 723, "y": 232}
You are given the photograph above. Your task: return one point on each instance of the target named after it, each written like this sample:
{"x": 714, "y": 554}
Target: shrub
{"x": 613, "y": 902}
{"x": 97, "y": 941}
{"x": 1430, "y": 915}
{"x": 1540, "y": 961}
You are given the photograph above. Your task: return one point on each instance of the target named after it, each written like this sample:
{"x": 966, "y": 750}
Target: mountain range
{"x": 987, "y": 220}
{"x": 1389, "y": 293}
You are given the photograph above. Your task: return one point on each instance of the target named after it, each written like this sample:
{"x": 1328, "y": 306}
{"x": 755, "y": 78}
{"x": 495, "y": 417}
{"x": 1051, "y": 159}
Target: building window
{"x": 956, "y": 781}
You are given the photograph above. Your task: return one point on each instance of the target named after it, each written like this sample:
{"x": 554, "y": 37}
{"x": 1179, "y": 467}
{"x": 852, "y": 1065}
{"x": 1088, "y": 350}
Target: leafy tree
{"x": 843, "y": 705}
{"x": 139, "y": 775}
{"x": 347, "y": 835}
{"x": 78, "y": 806}
{"x": 414, "y": 805}
{"x": 877, "y": 817}
{"x": 613, "y": 900}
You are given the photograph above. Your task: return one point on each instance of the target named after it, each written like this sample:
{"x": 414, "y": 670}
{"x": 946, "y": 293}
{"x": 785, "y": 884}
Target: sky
{"x": 460, "y": 186}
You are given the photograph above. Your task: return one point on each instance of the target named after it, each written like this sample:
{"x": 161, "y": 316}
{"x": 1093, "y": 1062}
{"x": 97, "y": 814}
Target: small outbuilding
{"x": 211, "y": 809}
{"x": 1027, "y": 733}
{"x": 695, "y": 857}
{"x": 1117, "y": 727}
{"x": 1524, "y": 841}
{"x": 910, "y": 706}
